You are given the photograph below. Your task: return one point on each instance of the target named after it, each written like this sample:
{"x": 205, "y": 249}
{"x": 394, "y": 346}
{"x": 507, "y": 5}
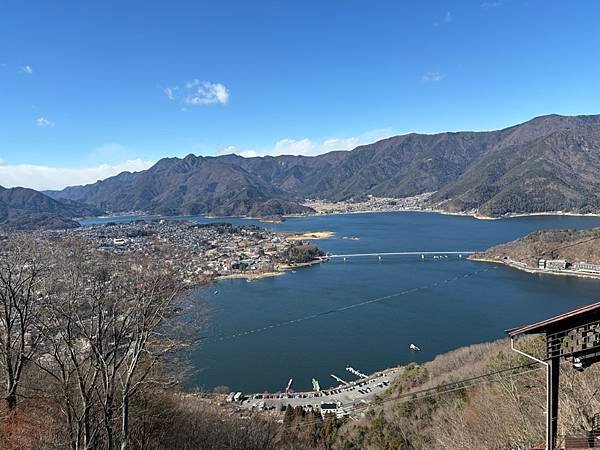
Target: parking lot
{"x": 355, "y": 393}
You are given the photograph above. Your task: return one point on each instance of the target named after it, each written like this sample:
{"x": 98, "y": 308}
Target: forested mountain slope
{"x": 549, "y": 163}
{"x": 22, "y": 208}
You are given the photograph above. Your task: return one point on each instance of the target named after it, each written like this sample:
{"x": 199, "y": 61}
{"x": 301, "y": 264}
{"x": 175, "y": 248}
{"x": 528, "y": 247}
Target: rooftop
{"x": 563, "y": 321}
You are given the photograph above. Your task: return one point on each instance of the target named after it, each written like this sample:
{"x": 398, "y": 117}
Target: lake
{"x": 320, "y": 319}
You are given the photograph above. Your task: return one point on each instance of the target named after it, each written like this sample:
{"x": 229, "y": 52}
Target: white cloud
{"x": 448, "y": 17}
{"x": 197, "y": 92}
{"x": 44, "y": 123}
{"x": 308, "y": 147}
{"x": 432, "y": 76}
{"x": 27, "y": 69}
{"x": 206, "y": 93}
{"x": 169, "y": 93}
{"x": 44, "y": 177}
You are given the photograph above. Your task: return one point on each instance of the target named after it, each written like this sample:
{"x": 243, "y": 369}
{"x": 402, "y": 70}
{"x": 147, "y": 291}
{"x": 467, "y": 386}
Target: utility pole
{"x": 574, "y": 335}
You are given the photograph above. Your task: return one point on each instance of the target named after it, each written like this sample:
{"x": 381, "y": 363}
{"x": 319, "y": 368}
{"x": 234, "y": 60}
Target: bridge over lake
{"x": 417, "y": 253}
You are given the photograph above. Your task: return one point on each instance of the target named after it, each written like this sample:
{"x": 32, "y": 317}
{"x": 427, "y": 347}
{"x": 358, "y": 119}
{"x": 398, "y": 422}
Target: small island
{"x": 559, "y": 252}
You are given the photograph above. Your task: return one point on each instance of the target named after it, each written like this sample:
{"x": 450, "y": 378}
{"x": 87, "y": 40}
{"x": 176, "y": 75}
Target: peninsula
{"x": 198, "y": 252}
{"x": 559, "y": 252}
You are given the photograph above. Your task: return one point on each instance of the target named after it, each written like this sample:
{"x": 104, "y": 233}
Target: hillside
{"x": 569, "y": 245}
{"x": 502, "y": 411}
{"x": 26, "y": 209}
{"x": 549, "y": 163}
{"x": 506, "y": 411}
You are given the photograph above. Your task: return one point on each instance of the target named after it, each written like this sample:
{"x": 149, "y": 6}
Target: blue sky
{"x": 88, "y": 89}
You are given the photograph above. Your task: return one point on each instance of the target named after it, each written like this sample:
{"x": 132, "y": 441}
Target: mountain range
{"x": 550, "y": 163}
{"x": 24, "y": 209}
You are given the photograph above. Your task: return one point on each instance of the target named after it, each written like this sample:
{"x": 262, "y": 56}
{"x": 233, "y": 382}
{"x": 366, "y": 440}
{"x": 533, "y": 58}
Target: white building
{"x": 328, "y": 408}
{"x": 587, "y": 267}
{"x": 556, "y": 264}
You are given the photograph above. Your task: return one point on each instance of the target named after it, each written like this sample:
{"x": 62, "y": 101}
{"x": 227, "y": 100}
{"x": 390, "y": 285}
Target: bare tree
{"x": 95, "y": 326}
{"x": 102, "y": 325}
{"x": 176, "y": 421}
{"x": 117, "y": 320}
{"x": 150, "y": 301}
{"x": 64, "y": 354}
{"x": 21, "y": 271}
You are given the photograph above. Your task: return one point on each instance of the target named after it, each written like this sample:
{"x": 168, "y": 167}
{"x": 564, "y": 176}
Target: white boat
{"x": 414, "y": 348}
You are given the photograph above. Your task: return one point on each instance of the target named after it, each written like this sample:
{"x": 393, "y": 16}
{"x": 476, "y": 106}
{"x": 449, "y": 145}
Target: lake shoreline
{"x": 474, "y": 215}
{"x": 279, "y": 270}
{"x": 319, "y": 321}
{"x": 309, "y": 235}
{"x": 518, "y": 266}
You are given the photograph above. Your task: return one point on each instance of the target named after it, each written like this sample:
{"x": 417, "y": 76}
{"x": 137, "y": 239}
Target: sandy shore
{"x": 553, "y": 213}
{"x": 310, "y": 235}
{"x": 249, "y": 276}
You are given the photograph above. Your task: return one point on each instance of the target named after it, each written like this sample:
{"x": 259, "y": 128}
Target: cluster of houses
{"x": 564, "y": 265}
{"x": 197, "y": 251}
{"x": 369, "y": 203}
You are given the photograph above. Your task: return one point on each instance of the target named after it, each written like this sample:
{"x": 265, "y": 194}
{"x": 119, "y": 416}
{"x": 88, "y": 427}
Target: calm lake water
{"x": 438, "y": 304}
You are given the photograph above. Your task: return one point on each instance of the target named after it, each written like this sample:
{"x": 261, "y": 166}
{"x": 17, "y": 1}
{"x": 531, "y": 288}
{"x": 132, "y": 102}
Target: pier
{"x": 358, "y": 373}
{"x": 339, "y": 380}
{"x": 346, "y": 395}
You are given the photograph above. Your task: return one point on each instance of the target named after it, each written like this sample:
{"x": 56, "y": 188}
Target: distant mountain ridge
{"x": 550, "y": 163}
{"x": 23, "y": 208}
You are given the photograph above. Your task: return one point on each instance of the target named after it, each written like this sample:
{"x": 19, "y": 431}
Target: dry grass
{"x": 35, "y": 424}
{"x": 503, "y": 413}
{"x": 572, "y": 245}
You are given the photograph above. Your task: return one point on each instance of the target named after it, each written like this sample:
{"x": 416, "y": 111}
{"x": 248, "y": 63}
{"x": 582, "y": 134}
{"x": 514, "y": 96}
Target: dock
{"x": 347, "y": 395}
{"x": 339, "y": 380}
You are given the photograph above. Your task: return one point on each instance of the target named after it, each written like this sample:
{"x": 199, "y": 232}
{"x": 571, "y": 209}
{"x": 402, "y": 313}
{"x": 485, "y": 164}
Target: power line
{"x": 571, "y": 245}
{"x": 208, "y": 339}
{"x": 447, "y": 388}
{"x": 457, "y": 386}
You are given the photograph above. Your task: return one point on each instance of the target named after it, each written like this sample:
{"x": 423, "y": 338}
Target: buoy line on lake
{"x": 219, "y": 338}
